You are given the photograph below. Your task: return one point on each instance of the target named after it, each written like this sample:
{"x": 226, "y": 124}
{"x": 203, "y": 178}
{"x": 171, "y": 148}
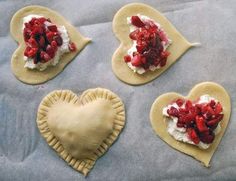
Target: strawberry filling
{"x": 42, "y": 40}
{"x": 150, "y": 40}
{"x": 200, "y": 119}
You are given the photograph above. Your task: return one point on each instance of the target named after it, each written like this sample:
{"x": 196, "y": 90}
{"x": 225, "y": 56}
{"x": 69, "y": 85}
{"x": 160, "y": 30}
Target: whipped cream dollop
{"x": 141, "y": 70}
{"x": 64, "y": 48}
{"x": 180, "y": 134}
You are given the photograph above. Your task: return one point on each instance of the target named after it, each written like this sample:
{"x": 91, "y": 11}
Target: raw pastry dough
{"x": 159, "y": 125}
{"x": 81, "y": 129}
{"x": 17, "y": 62}
{"x": 121, "y": 29}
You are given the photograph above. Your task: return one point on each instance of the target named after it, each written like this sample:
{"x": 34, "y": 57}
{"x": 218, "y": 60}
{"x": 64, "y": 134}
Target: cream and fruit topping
{"x": 149, "y": 45}
{"x": 196, "y": 122}
{"x": 45, "y": 42}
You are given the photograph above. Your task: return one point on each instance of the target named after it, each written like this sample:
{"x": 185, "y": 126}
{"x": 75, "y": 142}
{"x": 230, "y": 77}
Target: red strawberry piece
{"x": 156, "y": 62}
{"x": 58, "y": 39}
{"x": 30, "y": 52}
{"x": 214, "y": 122}
{"x": 41, "y": 41}
{"x": 218, "y": 108}
{"x": 193, "y": 135}
{"x": 212, "y": 103}
{"x": 136, "y": 21}
{"x": 173, "y": 111}
{"x": 200, "y": 122}
{"x": 133, "y": 35}
{"x": 50, "y": 51}
{"x": 72, "y": 47}
{"x": 27, "y": 25}
{"x": 50, "y": 36}
{"x": 52, "y": 28}
{"x": 32, "y": 43}
{"x": 163, "y": 36}
{"x": 144, "y": 60}
{"x": 186, "y": 119}
{"x": 54, "y": 44}
{"x": 127, "y": 58}
{"x": 179, "y": 102}
{"x": 26, "y": 51}
{"x": 27, "y": 33}
{"x": 163, "y": 62}
{"x": 136, "y": 61}
{"x": 207, "y": 137}
{"x": 165, "y": 54}
{"x": 32, "y": 21}
{"x": 188, "y": 104}
{"x": 37, "y": 30}
{"x": 42, "y": 20}
{"x": 140, "y": 48}
{"x": 45, "y": 56}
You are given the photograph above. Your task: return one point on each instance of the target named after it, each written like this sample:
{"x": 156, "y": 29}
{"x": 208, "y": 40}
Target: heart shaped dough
{"x": 81, "y": 129}
{"x": 121, "y": 29}
{"x": 160, "y": 127}
{"x": 17, "y": 62}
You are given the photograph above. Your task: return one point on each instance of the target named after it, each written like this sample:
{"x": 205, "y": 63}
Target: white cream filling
{"x": 64, "y": 48}
{"x": 141, "y": 70}
{"x": 180, "y": 134}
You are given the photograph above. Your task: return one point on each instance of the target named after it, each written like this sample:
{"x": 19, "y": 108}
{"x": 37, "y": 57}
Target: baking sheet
{"x": 138, "y": 154}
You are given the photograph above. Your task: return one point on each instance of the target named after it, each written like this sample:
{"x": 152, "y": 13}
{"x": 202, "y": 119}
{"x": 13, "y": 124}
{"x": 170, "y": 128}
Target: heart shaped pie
{"x": 81, "y": 129}
{"x": 194, "y": 124}
{"x": 47, "y": 43}
{"x": 150, "y": 44}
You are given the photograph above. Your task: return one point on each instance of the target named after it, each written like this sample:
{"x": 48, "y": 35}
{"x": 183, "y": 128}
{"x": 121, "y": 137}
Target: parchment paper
{"x": 138, "y": 154}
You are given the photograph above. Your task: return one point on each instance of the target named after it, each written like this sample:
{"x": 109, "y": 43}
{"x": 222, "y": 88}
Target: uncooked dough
{"x": 159, "y": 125}
{"x": 121, "y": 29}
{"x": 17, "y": 62}
{"x": 81, "y": 129}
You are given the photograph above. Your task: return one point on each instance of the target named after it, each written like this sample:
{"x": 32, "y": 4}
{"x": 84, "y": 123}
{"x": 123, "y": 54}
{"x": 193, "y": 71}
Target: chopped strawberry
{"x": 200, "y": 122}
{"x": 214, "y": 122}
{"x": 42, "y": 42}
{"x": 193, "y": 135}
{"x": 50, "y": 36}
{"x": 58, "y": 39}
{"x": 32, "y": 43}
{"x": 45, "y": 56}
{"x": 207, "y": 137}
{"x": 30, "y": 52}
{"x": 72, "y": 47}
{"x": 136, "y": 61}
{"x": 163, "y": 62}
{"x": 127, "y": 58}
{"x": 165, "y": 54}
{"x": 50, "y": 51}
{"x": 133, "y": 35}
{"x": 173, "y": 111}
{"x": 218, "y": 108}
{"x": 52, "y": 28}
{"x": 136, "y": 21}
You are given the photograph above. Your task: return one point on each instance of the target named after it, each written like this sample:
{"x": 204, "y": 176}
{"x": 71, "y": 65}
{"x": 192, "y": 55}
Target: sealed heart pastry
{"x": 150, "y": 44}
{"x": 194, "y": 124}
{"x": 81, "y": 129}
{"x": 47, "y": 43}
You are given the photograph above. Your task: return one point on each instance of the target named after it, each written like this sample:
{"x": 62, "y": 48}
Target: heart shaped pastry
{"x": 159, "y": 121}
{"x": 81, "y": 129}
{"x": 123, "y": 32}
{"x": 36, "y": 40}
